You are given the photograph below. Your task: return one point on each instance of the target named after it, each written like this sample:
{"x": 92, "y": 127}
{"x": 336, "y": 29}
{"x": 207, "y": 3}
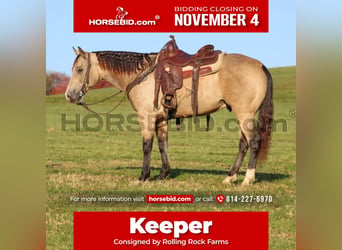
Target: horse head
{"x": 81, "y": 80}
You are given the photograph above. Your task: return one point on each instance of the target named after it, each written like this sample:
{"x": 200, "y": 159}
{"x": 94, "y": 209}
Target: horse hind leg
{"x": 253, "y": 138}
{"x": 254, "y": 144}
{"x": 249, "y": 138}
{"x": 243, "y": 147}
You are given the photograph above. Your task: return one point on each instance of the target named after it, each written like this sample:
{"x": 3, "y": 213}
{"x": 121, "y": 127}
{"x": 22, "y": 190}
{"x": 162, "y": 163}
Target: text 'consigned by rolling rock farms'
{"x": 166, "y": 242}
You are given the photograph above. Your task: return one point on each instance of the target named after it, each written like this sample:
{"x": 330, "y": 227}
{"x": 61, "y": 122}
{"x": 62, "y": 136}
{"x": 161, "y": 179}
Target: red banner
{"x": 171, "y": 230}
{"x": 171, "y": 16}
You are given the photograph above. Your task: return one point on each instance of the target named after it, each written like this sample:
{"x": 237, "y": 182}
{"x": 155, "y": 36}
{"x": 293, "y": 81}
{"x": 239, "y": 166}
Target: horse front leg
{"x": 147, "y": 125}
{"x": 162, "y": 134}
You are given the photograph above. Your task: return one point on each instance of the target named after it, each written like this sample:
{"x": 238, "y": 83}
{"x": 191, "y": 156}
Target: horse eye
{"x": 79, "y": 70}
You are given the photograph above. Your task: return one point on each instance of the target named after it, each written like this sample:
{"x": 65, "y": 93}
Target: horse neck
{"x": 120, "y": 81}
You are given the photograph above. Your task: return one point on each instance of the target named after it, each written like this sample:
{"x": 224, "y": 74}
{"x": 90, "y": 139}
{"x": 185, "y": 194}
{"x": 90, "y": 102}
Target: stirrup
{"x": 169, "y": 101}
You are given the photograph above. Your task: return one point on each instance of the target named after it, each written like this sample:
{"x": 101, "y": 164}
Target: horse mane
{"x": 123, "y": 61}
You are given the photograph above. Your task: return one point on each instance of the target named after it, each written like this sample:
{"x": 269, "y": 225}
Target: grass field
{"x": 105, "y": 160}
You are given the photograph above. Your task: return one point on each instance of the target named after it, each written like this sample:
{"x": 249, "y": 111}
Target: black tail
{"x": 266, "y": 118}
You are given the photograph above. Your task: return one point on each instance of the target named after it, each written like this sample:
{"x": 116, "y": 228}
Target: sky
{"x": 277, "y": 48}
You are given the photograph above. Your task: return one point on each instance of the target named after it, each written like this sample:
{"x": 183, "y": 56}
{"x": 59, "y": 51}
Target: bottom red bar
{"x": 170, "y": 230}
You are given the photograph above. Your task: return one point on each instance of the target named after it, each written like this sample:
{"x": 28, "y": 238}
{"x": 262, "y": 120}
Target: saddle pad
{"x": 202, "y": 71}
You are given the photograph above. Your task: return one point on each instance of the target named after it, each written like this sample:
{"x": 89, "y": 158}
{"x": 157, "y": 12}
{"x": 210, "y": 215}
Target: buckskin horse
{"x": 235, "y": 82}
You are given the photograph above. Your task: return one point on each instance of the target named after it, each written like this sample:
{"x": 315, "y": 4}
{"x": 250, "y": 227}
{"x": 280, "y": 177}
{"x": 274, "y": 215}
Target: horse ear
{"x": 81, "y": 50}
{"x": 77, "y": 52}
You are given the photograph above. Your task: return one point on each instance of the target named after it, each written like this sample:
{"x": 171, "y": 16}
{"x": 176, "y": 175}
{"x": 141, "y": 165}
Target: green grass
{"x": 108, "y": 162}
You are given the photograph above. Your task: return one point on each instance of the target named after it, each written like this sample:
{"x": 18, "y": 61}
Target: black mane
{"x": 124, "y": 62}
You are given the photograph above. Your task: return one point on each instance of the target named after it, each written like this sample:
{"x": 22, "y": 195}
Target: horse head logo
{"x": 121, "y": 13}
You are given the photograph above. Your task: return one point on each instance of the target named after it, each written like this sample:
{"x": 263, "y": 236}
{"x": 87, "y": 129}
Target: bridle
{"x": 84, "y": 91}
{"x": 86, "y": 77}
{"x": 139, "y": 78}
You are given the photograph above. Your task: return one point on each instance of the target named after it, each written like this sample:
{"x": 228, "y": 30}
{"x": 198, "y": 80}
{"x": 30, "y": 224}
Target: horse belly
{"x": 210, "y": 98}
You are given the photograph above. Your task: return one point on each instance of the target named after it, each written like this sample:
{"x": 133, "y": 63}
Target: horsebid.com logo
{"x": 120, "y": 20}
{"x": 121, "y": 13}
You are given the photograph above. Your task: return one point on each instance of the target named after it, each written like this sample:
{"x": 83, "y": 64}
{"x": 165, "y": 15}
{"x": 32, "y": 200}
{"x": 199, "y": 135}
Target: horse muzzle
{"x": 75, "y": 97}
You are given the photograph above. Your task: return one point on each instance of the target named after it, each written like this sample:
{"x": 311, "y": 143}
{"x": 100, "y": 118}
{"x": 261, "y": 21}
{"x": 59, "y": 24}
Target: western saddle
{"x": 169, "y": 75}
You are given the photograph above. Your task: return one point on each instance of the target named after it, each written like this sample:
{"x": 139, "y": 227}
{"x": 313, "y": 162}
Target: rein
{"x": 85, "y": 105}
{"x": 105, "y": 99}
{"x": 139, "y": 79}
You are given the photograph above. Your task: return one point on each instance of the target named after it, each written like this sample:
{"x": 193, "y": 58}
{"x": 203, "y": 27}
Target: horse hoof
{"x": 249, "y": 178}
{"x": 229, "y": 179}
{"x": 246, "y": 183}
{"x": 143, "y": 177}
{"x": 163, "y": 175}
